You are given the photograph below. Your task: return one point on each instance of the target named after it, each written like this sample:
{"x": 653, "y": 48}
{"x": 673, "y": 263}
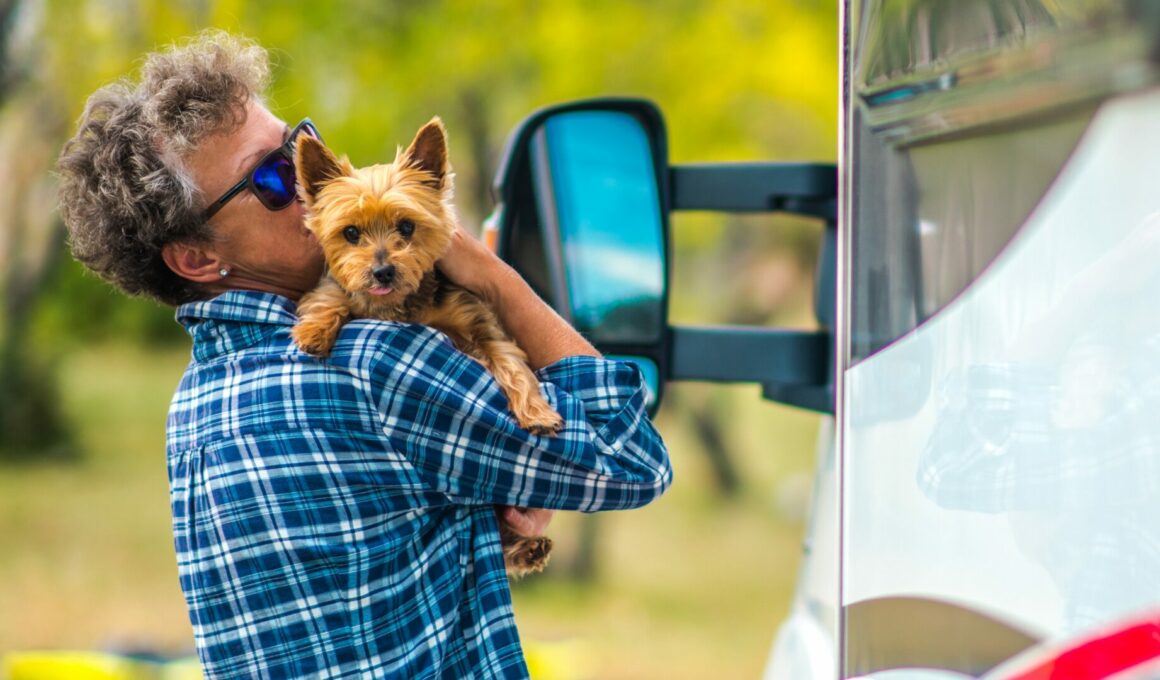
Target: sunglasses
{"x": 273, "y": 179}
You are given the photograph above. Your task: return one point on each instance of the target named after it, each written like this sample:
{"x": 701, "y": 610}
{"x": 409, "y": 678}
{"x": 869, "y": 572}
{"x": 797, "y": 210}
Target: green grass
{"x": 690, "y": 587}
{"x": 88, "y": 559}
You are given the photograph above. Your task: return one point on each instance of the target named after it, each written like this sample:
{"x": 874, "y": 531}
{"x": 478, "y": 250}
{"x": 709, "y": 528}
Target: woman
{"x": 332, "y": 518}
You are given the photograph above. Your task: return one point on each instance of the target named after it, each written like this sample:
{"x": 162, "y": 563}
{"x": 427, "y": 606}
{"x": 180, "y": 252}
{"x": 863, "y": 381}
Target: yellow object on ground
{"x": 64, "y": 665}
{"x": 557, "y": 660}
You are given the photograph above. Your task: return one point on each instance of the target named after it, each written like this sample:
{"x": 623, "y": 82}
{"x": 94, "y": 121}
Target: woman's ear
{"x": 192, "y": 262}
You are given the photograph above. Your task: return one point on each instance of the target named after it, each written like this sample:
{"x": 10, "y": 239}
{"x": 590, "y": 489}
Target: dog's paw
{"x": 527, "y": 555}
{"x": 540, "y": 418}
{"x": 547, "y": 429}
{"x": 548, "y": 424}
{"x": 311, "y": 340}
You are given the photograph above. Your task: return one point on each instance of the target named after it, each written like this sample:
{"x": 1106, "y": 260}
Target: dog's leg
{"x": 508, "y": 363}
{"x": 476, "y": 331}
{"x": 321, "y": 314}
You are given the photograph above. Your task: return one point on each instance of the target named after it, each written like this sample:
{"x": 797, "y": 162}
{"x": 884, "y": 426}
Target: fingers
{"x": 518, "y": 521}
{"x": 469, "y": 263}
{"x": 527, "y": 521}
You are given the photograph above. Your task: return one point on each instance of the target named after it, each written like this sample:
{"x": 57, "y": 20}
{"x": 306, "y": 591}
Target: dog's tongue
{"x": 380, "y": 290}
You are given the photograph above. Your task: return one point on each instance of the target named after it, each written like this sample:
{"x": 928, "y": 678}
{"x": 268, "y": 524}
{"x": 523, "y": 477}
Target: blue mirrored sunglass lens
{"x": 274, "y": 181}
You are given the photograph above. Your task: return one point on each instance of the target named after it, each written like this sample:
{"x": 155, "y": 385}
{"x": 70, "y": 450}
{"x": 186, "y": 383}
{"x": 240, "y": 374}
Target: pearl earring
{"x": 224, "y": 272}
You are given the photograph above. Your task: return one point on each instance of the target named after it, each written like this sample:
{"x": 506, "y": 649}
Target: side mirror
{"x": 584, "y": 191}
{"x": 582, "y": 215}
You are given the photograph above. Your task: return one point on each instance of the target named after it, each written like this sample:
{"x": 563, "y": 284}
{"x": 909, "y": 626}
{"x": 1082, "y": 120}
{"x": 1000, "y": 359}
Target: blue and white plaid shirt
{"x": 334, "y": 517}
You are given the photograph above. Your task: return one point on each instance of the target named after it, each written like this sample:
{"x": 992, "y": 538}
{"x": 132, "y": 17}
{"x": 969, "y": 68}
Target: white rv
{"x": 987, "y": 497}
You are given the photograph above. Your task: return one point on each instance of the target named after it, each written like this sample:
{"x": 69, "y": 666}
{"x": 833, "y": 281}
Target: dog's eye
{"x": 406, "y": 228}
{"x": 351, "y": 234}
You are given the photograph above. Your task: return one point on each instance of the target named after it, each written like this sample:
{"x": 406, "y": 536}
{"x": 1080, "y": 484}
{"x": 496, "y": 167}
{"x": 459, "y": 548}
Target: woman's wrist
{"x": 499, "y": 281}
{"x": 470, "y": 264}
{"x": 531, "y": 322}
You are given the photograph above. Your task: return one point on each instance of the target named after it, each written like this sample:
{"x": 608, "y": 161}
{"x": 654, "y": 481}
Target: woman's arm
{"x": 443, "y": 411}
{"x": 608, "y": 456}
{"x": 534, "y": 325}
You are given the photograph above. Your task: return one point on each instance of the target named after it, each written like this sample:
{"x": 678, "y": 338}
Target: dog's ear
{"x": 316, "y": 165}
{"x": 428, "y": 152}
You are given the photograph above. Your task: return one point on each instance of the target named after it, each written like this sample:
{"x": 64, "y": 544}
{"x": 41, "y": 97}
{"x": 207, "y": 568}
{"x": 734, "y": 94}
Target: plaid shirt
{"x": 334, "y": 517}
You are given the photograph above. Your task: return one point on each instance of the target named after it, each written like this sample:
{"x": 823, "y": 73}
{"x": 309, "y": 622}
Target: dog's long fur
{"x": 382, "y": 229}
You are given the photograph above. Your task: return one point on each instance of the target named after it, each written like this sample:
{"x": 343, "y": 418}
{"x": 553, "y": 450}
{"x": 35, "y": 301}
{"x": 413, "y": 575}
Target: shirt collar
{"x": 234, "y": 320}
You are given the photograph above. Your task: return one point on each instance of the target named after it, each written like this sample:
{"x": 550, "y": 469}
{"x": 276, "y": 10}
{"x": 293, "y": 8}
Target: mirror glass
{"x": 599, "y": 204}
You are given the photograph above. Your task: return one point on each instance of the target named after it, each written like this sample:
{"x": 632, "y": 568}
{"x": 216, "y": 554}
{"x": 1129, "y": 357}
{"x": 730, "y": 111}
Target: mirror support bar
{"x": 792, "y": 366}
{"x": 800, "y": 188}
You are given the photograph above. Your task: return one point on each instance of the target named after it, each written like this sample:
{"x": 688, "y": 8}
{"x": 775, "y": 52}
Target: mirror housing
{"x": 584, "y": 192}
{"x": 602, "y": 263}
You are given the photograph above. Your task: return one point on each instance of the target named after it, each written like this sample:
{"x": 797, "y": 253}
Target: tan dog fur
{"x": 397, "y": 219}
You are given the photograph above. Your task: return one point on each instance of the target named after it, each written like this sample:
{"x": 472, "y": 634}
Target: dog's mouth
{"x": 380, "y": 290}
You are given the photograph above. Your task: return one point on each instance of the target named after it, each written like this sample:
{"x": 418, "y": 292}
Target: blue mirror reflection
{"x": 602, "y": 197}
{"x": 650, "y": 373}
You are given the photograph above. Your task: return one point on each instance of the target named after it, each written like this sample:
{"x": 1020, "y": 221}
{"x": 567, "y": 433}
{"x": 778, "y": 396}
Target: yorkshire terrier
{"x": 382, "y": 229}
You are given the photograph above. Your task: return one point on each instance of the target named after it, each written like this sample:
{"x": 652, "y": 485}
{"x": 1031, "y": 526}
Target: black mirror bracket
{"x": 792, "y": 367}
{"x": 808, "y": 189}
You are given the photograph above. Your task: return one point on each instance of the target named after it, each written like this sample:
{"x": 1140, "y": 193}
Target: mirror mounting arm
{"x": 792, "y": 367}
{"x": 809, "y": 189}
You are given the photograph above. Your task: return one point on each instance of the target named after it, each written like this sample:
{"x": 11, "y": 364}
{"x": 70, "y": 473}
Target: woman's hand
{"x": 469, "y": 263}
{"x": 529, "y": 522}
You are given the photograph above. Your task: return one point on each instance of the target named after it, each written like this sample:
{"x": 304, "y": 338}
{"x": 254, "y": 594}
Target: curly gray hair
{"x": 124, "y": 192}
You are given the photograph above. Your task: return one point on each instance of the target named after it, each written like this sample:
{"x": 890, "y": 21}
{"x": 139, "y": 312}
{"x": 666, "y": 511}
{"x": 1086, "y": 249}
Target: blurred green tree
{"x": 31, "y": 123}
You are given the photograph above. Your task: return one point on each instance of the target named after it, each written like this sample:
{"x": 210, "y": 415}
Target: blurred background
{"x": 693, "y": 586}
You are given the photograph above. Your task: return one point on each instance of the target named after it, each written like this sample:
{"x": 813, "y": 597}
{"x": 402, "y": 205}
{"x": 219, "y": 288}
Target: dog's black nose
{"x": 384, "y": 274}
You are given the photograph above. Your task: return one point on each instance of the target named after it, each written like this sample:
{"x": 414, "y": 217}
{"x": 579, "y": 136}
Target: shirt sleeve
{"x": 447, "y": 415}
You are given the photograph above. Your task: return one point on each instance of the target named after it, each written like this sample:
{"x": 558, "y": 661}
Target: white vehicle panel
{"x": 949, "y": 502}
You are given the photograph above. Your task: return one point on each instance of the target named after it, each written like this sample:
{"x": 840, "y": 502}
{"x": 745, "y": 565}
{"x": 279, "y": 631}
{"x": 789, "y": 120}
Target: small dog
{"x": 382, "y": 229}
